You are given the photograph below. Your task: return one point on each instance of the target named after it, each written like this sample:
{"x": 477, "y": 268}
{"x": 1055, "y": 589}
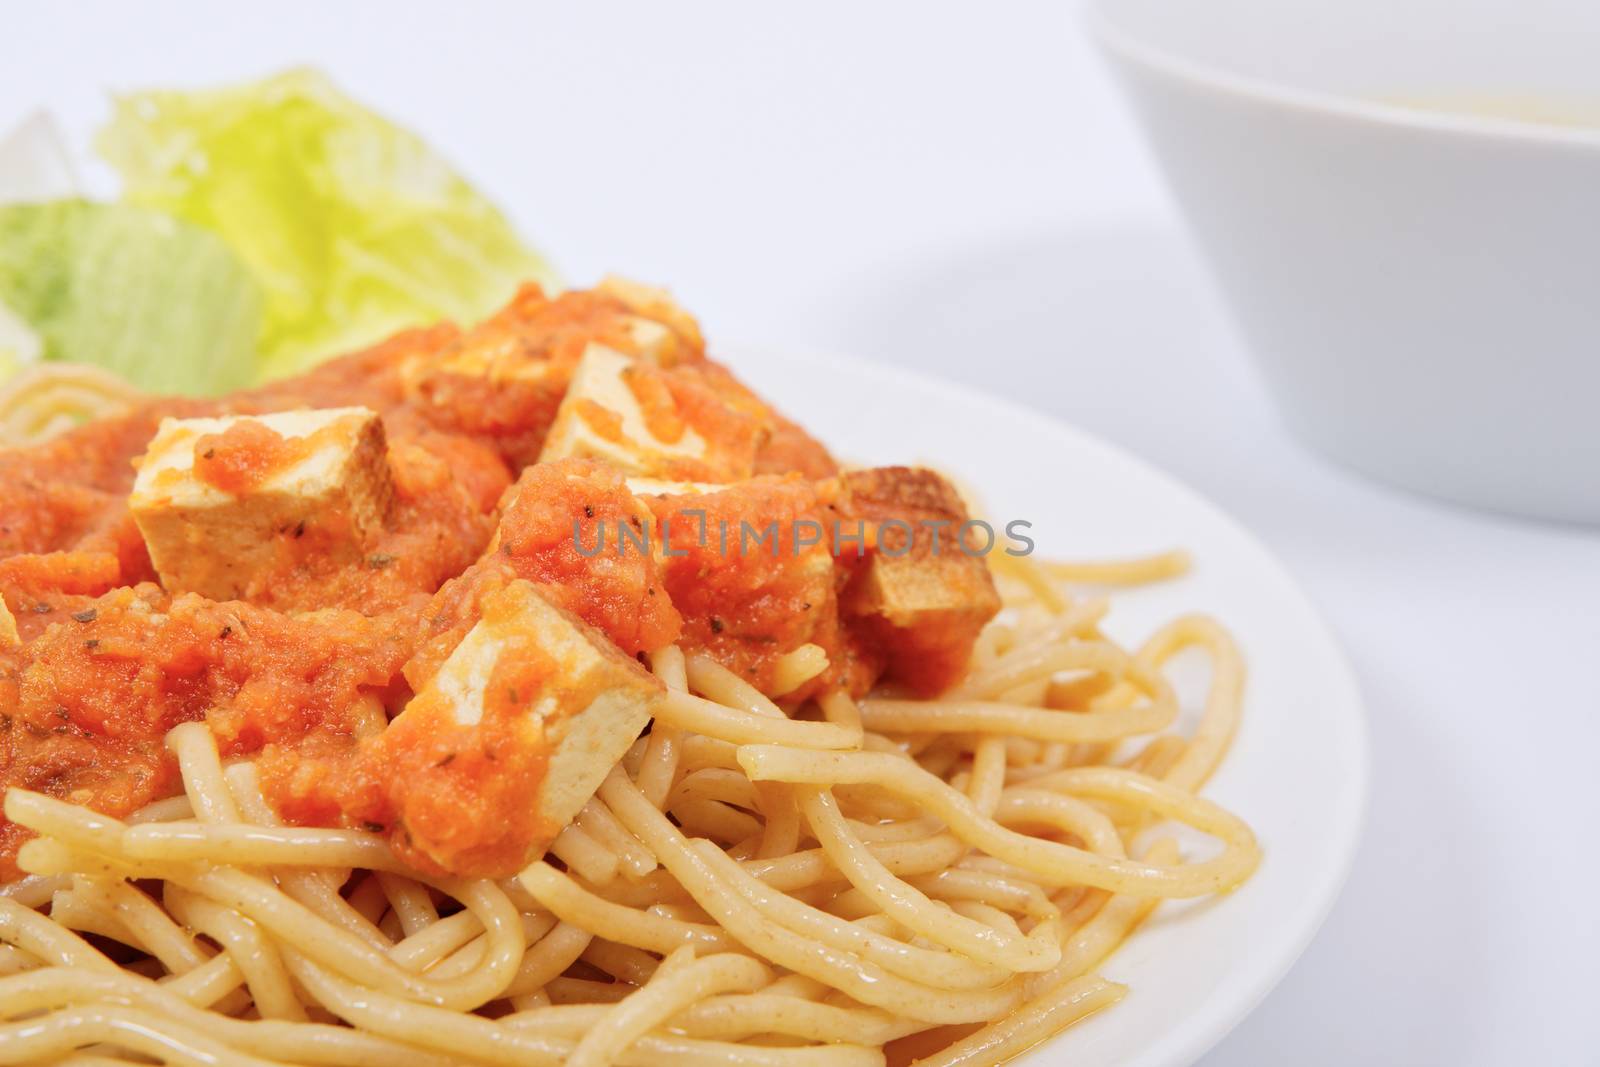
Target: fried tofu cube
{"x": 559, "y": 703}
{"x": 651, "y": 340}
{"x": 661, "y": 327}
{"x": 495, "y": 385}
{"x": 924, "y": 594}
{"x": 504, "y": 378}
{"x": 220, "y": 500}
{"x": 929, "y": 592}
{"x": 641, "y": 420}
{"x": 8, "y": 627}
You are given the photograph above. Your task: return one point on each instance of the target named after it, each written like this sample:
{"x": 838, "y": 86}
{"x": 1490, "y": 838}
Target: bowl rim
{"x": 1125, "y": 45}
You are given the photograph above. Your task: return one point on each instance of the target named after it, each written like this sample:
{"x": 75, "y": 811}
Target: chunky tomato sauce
{"x": 752, "y": 570}
{"x": 294, "y": 670}
{"x": 90, "y": 699}
{"x": 245, "y": 455}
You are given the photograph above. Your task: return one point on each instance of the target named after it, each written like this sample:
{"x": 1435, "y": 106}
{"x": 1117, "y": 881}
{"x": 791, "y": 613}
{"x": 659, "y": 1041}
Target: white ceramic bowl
{"x": 1420, "y": 287}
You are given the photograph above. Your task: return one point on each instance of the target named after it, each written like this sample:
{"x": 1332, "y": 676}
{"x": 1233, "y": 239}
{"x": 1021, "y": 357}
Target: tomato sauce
{"x": 293, "y": 670}
{"x": 753, "y": 571}
{"x": 245, "y": 455}
{"x": 465, "y": 790}
{"x": 89, "y": 701}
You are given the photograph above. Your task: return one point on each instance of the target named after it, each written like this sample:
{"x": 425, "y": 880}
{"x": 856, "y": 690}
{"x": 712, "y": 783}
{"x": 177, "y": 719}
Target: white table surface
{"x": 958, "y": 189}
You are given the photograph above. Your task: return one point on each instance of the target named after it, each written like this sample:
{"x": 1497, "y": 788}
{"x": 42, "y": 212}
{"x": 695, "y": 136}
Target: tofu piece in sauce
{"x": 661, "y": 330}
{"x": 217, "y": 499}
{"x": 920, "y": 597}
{"x": 503, "y": 380}
{"x": 646, "y": 423}
{"x": 514, "y": 733}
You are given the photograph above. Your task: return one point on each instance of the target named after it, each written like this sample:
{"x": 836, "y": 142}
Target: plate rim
{"x": 1193, "y": 1034}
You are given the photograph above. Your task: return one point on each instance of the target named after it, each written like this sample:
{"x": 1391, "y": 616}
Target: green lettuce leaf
{"x": 352, "y": 226}
{"x": 163, "y": 304}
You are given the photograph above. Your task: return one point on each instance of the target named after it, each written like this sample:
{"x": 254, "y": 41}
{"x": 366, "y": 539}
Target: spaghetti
{"x": 405, "y": 777}
{"x": 936, "y": 880}
{"x": 45, "y": 399}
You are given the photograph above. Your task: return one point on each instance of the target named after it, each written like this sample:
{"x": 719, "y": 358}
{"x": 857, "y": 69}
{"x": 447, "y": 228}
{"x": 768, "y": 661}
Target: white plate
{"x": 1297, "y": 771}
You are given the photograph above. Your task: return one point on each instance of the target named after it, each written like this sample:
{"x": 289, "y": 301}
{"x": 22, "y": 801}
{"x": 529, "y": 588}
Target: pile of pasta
{"x": 934, "y": 881}
{"x": 44, "y": 400}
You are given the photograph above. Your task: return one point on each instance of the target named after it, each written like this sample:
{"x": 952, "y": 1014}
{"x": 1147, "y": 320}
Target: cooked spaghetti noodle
{"x": 47, "y": 398}
{"x": 943, "y": 878}
{"x": 849, "y": 815}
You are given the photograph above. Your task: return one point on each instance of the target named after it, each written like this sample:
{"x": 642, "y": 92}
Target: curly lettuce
{"x": 157, "y": 301}
{"x": 351, "y": 226}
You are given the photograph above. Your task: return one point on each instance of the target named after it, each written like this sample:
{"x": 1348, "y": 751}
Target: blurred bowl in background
{"x": 1401, "y": 201}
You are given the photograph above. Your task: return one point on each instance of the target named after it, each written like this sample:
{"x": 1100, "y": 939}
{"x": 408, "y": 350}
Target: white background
{"x": 958, "y": 189}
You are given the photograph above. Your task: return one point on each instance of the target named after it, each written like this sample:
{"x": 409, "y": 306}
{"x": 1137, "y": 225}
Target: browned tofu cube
{"x": 648, "y": 423}
{"x": 921, "y": 596}
{"x": 548, "y": 704}
{"x": 329, "y": 475}
{"x": 661, "y": 329}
